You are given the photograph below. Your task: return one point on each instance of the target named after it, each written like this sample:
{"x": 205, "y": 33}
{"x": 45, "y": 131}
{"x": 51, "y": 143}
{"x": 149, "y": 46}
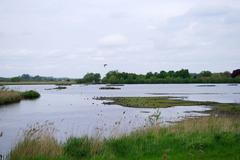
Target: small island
{"x": 165, "y": 102}
{"x": 10, "y": 96}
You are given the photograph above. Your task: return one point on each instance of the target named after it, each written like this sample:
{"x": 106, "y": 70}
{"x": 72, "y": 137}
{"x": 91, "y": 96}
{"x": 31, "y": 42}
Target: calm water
{"x": 74, "y": 112}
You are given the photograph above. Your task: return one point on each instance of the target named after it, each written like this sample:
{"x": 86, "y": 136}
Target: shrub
{"x": 30, "y": 94}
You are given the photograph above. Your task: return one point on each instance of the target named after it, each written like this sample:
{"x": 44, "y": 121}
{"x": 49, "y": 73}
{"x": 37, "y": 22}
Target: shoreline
{"x": 114, "y": 84}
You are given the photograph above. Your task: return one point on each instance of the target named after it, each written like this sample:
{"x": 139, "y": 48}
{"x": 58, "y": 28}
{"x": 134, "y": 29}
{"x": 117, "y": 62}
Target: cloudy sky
{"x": 72, "y": 37}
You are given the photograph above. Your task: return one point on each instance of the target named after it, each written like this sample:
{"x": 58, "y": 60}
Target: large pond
{"x": 73, "y": 111}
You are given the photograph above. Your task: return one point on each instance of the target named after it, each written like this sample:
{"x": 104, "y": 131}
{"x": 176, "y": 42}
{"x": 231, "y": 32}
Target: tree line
{"x": 180, "y": 76}
{"x": 29, "y": 78}
{"x": 116, "y": 77}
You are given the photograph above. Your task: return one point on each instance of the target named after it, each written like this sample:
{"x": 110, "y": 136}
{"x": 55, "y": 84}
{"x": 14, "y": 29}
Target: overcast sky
{"x": 72, "y": 37}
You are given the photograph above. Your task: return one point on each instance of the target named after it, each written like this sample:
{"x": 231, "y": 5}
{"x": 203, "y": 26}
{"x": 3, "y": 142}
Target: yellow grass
{"x": 7, "y": 97}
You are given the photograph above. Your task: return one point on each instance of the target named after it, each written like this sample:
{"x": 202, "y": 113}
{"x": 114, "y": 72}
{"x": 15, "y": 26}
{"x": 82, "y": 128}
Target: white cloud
{"x": 152, "y": 27}
{"x": 113, "y": 40}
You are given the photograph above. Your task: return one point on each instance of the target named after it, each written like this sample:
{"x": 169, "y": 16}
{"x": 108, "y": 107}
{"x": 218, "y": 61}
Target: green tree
{"x": 205, "y": 74}
{"x": 91, "y": 78}
{"x": 183, "y": 73}
{"x": 16, "y": 79}
{"x": 163, "y": 74}
{"x": 149, "y": 75}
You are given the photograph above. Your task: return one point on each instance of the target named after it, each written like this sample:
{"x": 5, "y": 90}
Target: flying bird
{"x": 105, "y": 65}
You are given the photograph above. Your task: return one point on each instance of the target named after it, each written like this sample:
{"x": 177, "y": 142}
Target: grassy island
{"x": 8, "y": 97}
{"x": 164, "y": 102}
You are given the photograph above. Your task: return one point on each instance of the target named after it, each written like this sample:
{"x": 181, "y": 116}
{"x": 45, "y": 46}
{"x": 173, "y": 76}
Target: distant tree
{"x": 37, "y": 78}
{"x": 180, "y": 76}
{"x": 92, "y": 78}
{"x": 149, "y": 75}
{"x": 205, "y": 74}
{"x": 163, "y": 74}
{"x": 26, "y": 77}
{"x": 112, "y": 79}
{"x": 183, "y": 73}
{"x": 171, "y": 74}
{"x": 15, "y": 79}
{"x": 235, "y": 73}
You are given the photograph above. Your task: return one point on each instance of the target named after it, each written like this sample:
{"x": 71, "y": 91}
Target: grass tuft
{"x": 38, "y": 143}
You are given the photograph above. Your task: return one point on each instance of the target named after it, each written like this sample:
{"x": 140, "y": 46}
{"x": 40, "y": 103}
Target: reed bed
{"x": 8, "y": 96}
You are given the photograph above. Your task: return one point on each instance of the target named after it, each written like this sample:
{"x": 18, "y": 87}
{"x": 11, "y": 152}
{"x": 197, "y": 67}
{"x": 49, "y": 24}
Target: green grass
{"x": 207, "y": 138}
{"x": 164, "y": 102}
{"x": 8, "y": 97}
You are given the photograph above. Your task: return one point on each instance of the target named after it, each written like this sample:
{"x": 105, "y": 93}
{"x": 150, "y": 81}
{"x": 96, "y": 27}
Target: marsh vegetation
{"x": 9, "y": 96}
{"x": 164, "y": 102}
{"x": 200, "y": 138}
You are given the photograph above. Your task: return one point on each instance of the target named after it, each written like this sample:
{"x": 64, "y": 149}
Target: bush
{"x": 30, "y": 94}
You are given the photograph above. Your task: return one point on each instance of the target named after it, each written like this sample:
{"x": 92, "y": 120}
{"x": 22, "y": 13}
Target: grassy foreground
{"x": 206, "y": 138}
{"x": 8, "y": 97}
{"x": 164, "y": 102}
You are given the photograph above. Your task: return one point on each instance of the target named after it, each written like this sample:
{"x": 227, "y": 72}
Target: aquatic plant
{"x": 153, "y": 119}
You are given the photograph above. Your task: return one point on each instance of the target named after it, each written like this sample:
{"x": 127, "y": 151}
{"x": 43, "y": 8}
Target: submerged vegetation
{"x": 164, "y": 102}
{"x": 8, "y": 97}
{"x": 201, "y": 138}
